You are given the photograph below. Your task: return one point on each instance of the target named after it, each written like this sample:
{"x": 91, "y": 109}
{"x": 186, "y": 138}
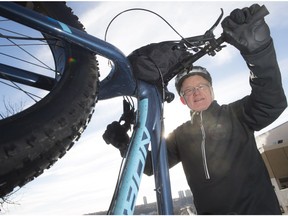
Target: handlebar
{"x": 214, "y": 45}
{"x": 261, "y": 13}
{"x": 211, "y": 45}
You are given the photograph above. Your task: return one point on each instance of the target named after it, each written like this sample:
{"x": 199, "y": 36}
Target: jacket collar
{"x": 207, "y": 114}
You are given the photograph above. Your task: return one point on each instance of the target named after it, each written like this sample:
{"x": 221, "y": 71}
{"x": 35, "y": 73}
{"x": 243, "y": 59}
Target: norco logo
{"x": 134, "y": 166}
{"x": 136, "y": 177}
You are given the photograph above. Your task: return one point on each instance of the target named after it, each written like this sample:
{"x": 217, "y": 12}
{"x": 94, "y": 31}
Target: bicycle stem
{"x": 208, "y": 49}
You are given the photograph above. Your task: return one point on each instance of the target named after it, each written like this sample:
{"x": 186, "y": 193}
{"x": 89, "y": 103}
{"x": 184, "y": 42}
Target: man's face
{"x": 196, "y": 93}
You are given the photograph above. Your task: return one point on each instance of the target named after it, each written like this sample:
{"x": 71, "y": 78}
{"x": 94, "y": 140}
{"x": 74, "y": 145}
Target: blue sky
{"x": 83, "y": 180}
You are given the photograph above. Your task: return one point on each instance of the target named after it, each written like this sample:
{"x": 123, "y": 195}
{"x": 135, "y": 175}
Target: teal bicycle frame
{"x": 119, "y": 82}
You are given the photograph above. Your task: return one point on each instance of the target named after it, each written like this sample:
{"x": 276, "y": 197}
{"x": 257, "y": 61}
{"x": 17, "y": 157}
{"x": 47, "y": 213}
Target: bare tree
{"x": 11, "y": 108}
{"x": 6, "y": 200}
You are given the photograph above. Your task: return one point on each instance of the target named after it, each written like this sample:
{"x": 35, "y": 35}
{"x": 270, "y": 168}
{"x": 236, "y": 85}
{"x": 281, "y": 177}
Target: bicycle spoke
{"x": 15, "y": 86}
{"x": 21, "y": 36}
{"x": 20, "y": 49}
{"x": 10, "y": 56}
{"x": 29, "y": 54}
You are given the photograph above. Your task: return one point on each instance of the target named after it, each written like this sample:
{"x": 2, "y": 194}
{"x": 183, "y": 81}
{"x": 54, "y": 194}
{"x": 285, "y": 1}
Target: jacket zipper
{"x": 203, "y": 149}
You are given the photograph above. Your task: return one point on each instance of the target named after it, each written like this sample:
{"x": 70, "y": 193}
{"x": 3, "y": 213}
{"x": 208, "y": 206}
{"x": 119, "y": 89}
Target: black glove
{"x": 116, "y": 134}
{"x": 246, "y": 29}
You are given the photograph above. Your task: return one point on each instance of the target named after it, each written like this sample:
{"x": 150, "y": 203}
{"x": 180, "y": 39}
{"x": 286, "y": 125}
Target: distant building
{"x": 273, "y": 146}
{"x": 145, "y": 200}
{"x": 181, "y": 194}
{"x": 182, "y": 206}
{"x": 188, "y": 193}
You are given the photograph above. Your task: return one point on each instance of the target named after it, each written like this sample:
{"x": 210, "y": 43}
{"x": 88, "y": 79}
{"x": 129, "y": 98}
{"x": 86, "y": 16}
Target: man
{"x": 217, "y": 148}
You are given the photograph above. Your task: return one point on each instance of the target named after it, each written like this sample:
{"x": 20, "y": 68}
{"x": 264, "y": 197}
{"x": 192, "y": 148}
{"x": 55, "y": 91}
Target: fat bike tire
{"x": 34, "y": 139}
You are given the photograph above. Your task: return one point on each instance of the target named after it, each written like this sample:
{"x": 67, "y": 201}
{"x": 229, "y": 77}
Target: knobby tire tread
{"x": 33, "y": 140}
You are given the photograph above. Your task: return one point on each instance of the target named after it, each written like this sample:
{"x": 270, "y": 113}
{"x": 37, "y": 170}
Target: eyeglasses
{"x": 192, "y": 90}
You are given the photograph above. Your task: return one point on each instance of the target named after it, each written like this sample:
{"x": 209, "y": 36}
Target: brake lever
{"x": 200, "y": 40}
{"x": 216, "y": 23}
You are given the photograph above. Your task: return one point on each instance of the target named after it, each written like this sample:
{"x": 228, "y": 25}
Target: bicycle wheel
{"x": 39, "y": 128}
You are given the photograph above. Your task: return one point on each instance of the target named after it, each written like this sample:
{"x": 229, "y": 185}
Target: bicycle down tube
{"x": 149, "y": 130}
